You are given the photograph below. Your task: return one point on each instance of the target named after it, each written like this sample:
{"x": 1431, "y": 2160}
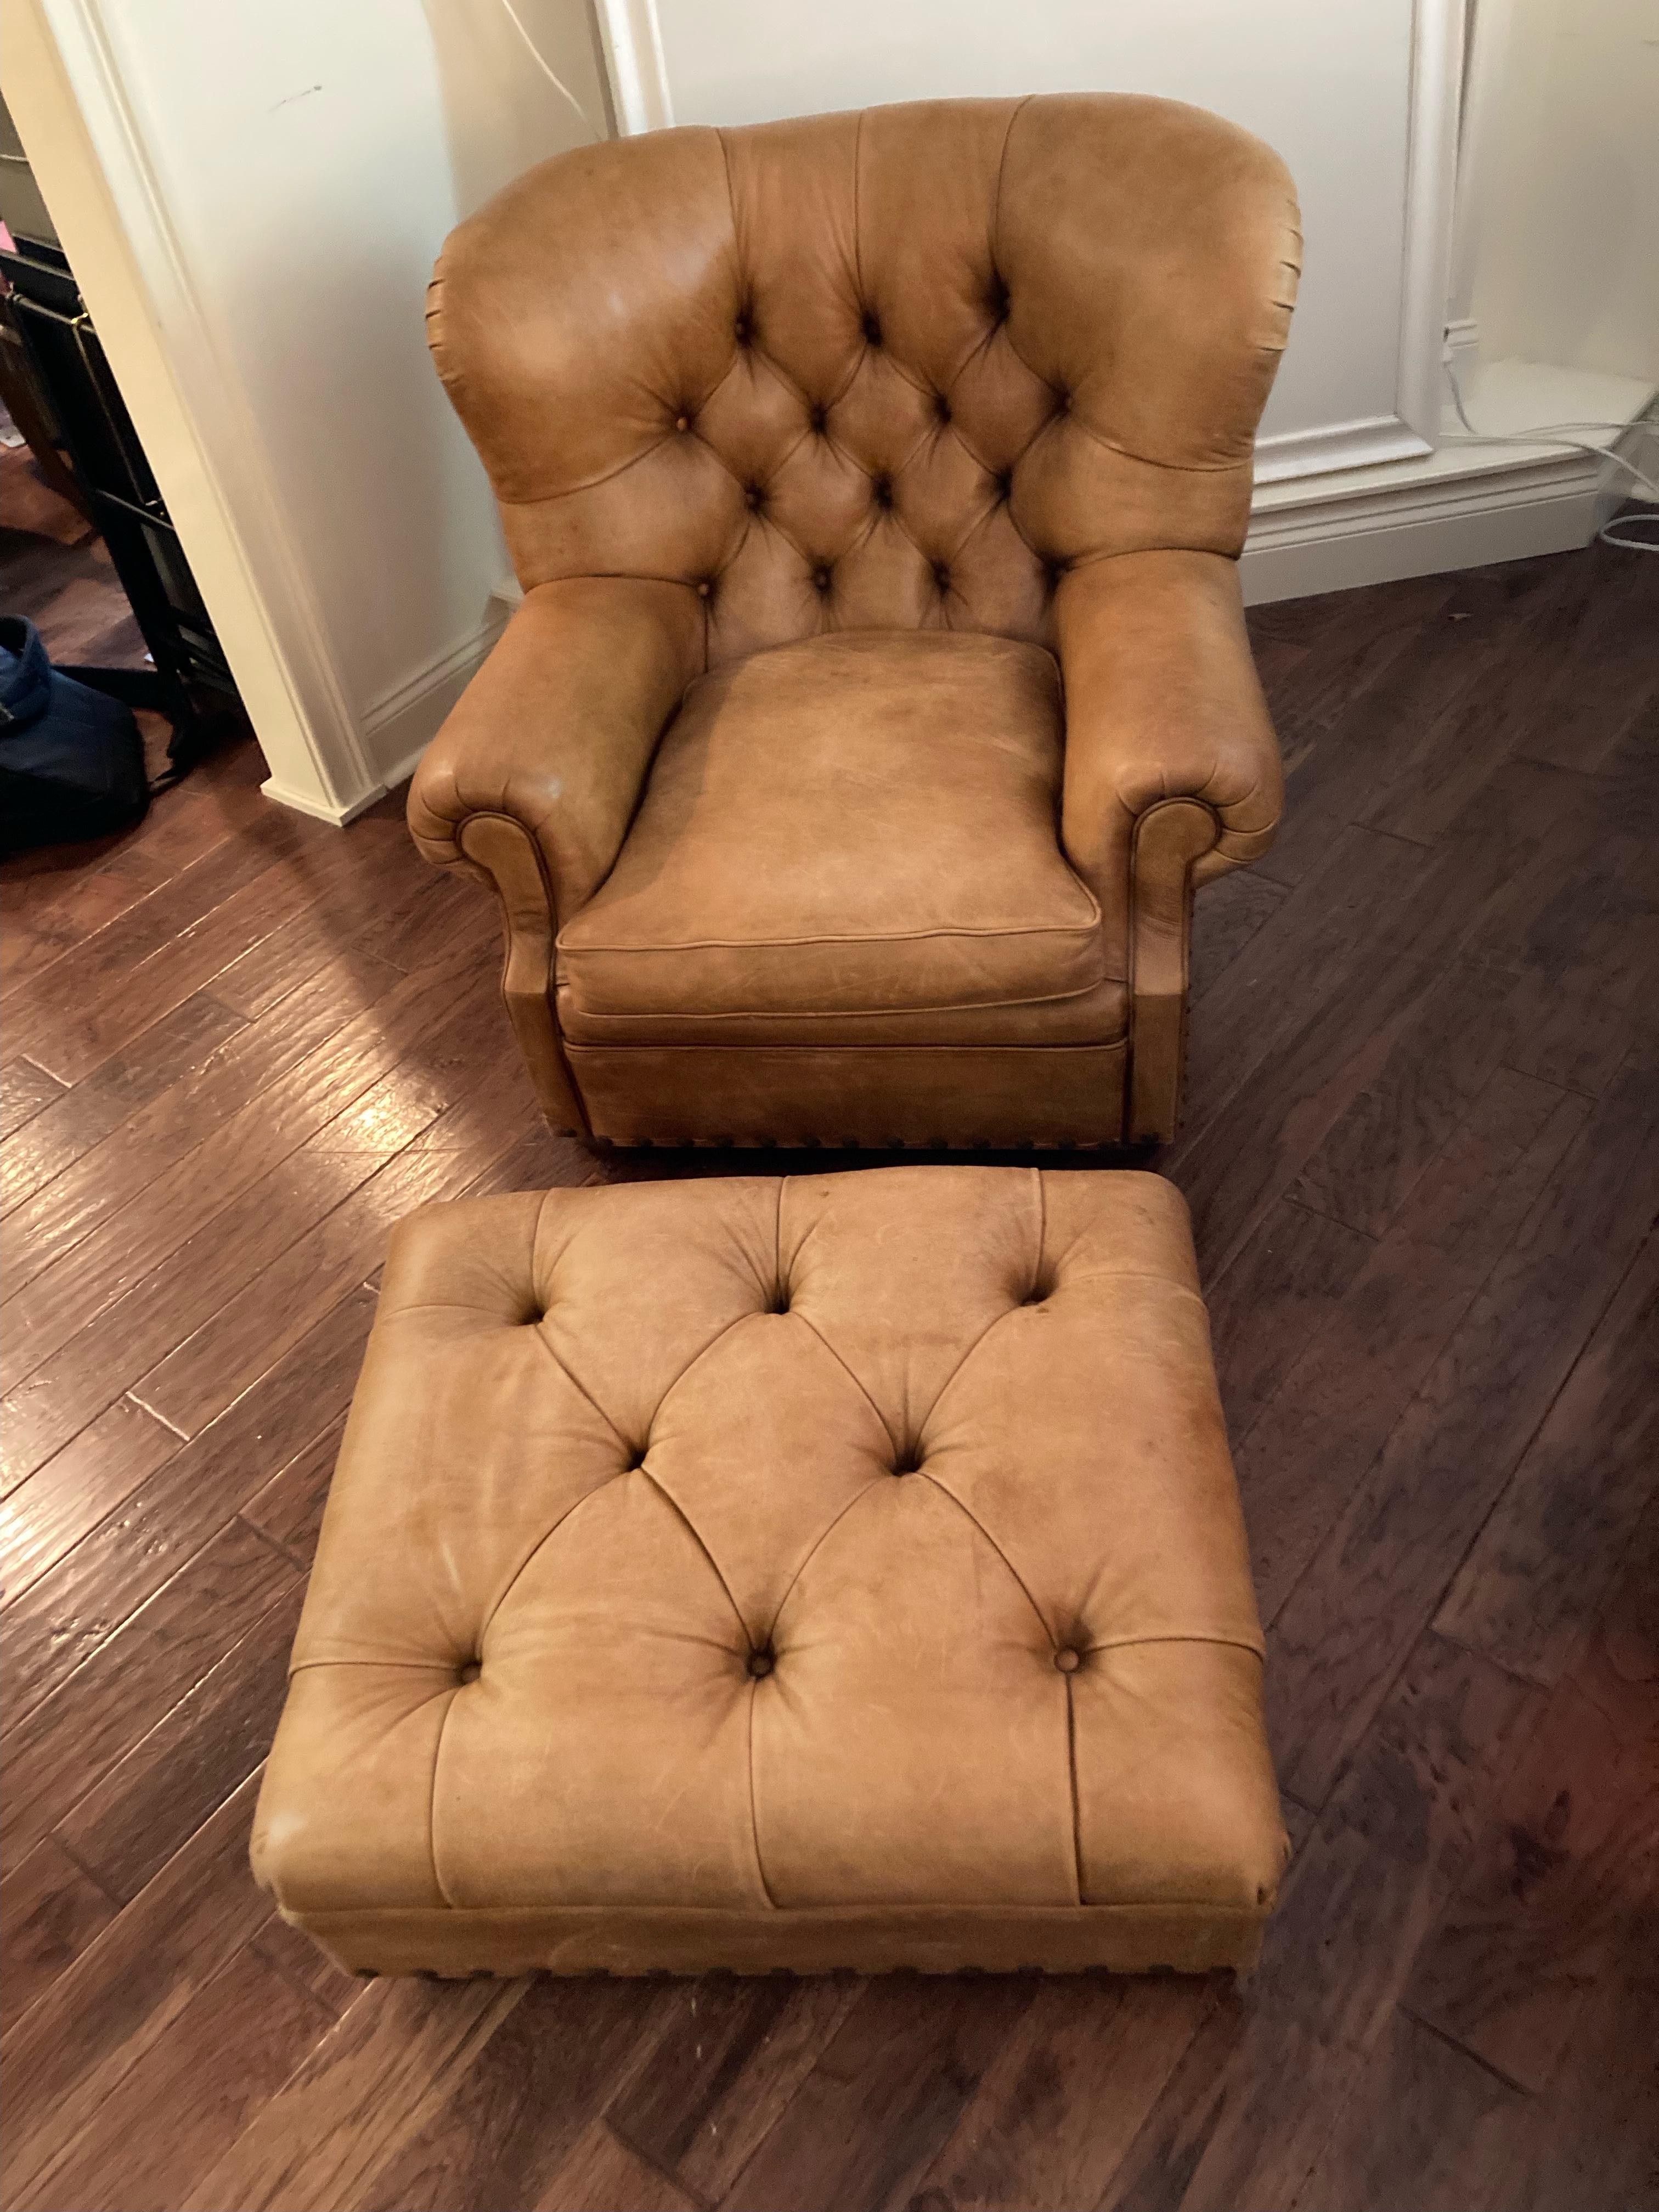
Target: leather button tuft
{"x": 704, "y": 588}
{"x": 754, "y": 496}
{"x": 1004, "y": 482}
{"x": 760, "y": 1663}
{"x": 881, "y": 490}
{"x": 1068, "y": 1660}
{"x": 743, "y": 330}
{"x": 910, "y": 1461}
{"x": 942, "y": 408}
{"x": 469, "y": 1671}
{"x": 820, "y": 419}
{"x": 681, "y": 422}
{"x": 871, "y": 327}
{"x": 941, "y": 576}
{"x": 820, "y": 579}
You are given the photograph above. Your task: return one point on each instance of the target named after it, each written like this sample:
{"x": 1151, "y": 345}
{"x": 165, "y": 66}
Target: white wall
{"x": 1562, "y": 241}
{"x": 287, "y": 175}
{"x": 1330, "y": 87}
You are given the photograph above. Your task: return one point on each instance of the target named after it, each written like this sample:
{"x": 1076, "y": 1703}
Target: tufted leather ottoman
{"x": 840, "y": 1572}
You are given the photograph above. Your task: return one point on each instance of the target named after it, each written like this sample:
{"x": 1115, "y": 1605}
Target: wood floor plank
{"x": 1351, "y": 647}
{"x": 1602, "y": 674}
{"x": 1058, "y": 2107}
{"x": 47, "y": 914}
{"x": 602, "y": 2173}
{"x": 519, "y": 2109}
{"x": 1242, "y": 2120}
{"x": 1423, "y": 2126}
{"x": 56, "y": 1753}
{"x": 1269, "y": 1305}
{"x": 889, "y": 2087}
{"x": 122, "y": 1994}
{"x": 390, "y": 914}
{"x": 1301, "y": 1463}
{"x": 1376, "y": 738}
{"x": 723, "y": 2072}
{"x": 244, "y": 2029}
{"x": 130, "y": 1340}
{"x": 194, "y": 1383}
{"x": 368, "y": 2087}
{"x": 1567, "y": 1878}
{"x": 1226, "y": 915}
{"x": 294, "y": 1953}
{"x": 1473, "y": 903}
{"x": 56, "y": 1017}
{"x": 25, "y": 1091}
{"x": 1477, "y": 728}
{"x": 1334, "y": 1648}
{"x": 150, "y": 1803}
{"x": 114, "y": 1308}
{"x": 1262, "y": 2086}
{"x": 131, "y": 1162}
{"x": 1594, "y": 2139}
{"x": 288, "y": 1509}
{"x": 1541, "y": 1568}
{"x": 174, "y": 1512}
{"x": 310, "y": 874}
{"x": 97, "y": 1471}
{"x": 184, "y": 1038}
{"x": 1307, "y": 955}
{"x": 1592, "y": 980}
{"x": 198, "y": 1187}
{"x": 50, "y": 1910}
{"x": 1462, "y": 1031}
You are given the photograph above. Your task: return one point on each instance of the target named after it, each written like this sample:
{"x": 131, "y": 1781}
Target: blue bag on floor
{"x": 71, "y": 759}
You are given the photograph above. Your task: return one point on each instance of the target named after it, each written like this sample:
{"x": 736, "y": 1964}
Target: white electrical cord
{"x": 1615, "y": 533}
{"x": 536, "y": 55}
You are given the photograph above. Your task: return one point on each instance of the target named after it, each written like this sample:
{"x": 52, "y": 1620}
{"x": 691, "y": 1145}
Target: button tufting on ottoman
{"x": 845, "y": 1570}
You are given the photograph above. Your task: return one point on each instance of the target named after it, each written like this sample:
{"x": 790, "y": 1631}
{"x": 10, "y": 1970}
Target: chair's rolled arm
{"x": 533, "y": 780}
{"x": 1172, "y": 776}
{"x": 557, "y": 730}
{"x": 1161, "y": 701}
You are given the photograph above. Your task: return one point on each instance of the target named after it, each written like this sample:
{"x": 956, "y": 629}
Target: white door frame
{"x": 186, "y": 401}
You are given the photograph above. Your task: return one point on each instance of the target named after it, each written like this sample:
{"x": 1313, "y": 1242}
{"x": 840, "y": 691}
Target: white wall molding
{"x": 1461, "y": 507}
{"x": 632, "y": 38}
{"x": 1336, "y": 446}
{"x": 400, "y": 724}
{"x": 1438, "y": 27}
{"x": 314, "y": 748}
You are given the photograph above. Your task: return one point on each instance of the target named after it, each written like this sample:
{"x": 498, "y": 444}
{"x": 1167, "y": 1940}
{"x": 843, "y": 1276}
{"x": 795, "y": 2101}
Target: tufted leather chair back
{"x": 897, "y": 369}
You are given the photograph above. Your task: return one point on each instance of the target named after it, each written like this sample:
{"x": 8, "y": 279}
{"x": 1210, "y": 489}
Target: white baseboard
{"x": 402, "y": 723}
{"x": 1458, "y": 508}
{"x": 1378, "y": 551}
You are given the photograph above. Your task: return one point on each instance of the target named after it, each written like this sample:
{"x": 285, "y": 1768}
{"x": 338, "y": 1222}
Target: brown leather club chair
{"x": 880, "y": 690}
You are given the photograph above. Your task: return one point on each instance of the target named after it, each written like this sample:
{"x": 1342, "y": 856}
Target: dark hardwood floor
{"x": 1422, "y": 1152}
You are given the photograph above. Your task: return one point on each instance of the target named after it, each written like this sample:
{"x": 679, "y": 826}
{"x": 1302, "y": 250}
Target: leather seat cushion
{"x": 844, "y": 839}
{"x": 839, "y": 1570}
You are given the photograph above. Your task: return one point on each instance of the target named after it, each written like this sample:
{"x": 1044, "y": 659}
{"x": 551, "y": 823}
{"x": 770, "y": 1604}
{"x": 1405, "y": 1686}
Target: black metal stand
{"x": 191, "y": 683}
